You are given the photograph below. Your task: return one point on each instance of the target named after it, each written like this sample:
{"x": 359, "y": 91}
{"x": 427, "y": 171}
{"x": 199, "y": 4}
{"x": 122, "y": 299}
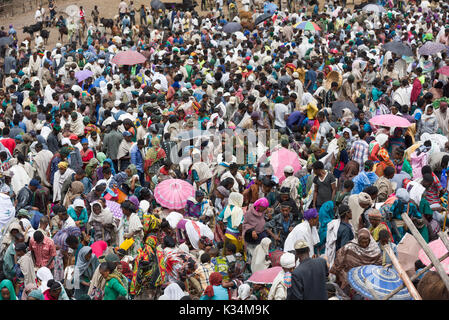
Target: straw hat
{"x": 333, "y": 76}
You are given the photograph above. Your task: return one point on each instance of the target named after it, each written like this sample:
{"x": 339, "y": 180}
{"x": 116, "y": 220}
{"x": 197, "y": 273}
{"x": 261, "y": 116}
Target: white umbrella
{"x": 240, "y": 35}
{"x": 72, "y": 10}
{"x": 373, "y": 8}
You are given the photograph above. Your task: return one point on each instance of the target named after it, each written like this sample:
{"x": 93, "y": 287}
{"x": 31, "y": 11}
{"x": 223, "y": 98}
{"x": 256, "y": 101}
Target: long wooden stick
{"x": 426, "y": 249}
{"x": 414, "y": 277}
{"x": 407, "y": 282}
{"x": 444, "y": 223}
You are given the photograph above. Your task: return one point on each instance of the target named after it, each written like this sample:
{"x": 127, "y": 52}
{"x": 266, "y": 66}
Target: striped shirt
{"x": 360, "y": 151}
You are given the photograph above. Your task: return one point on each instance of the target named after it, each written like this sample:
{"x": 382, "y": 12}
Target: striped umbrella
{"x": 371, "y": 278}
{"x": 307, "y": 25}
{"x": 444, "y": 70}
{"x": 173, "y": 193}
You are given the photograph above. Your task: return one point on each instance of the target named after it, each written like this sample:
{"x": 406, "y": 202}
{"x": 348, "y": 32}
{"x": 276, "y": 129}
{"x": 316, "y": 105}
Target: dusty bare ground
{"x": 107, "y": 8}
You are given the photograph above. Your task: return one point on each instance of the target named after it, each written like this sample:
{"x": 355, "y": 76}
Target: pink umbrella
{"x": 282, "y": 158}
{"x": 444, "y": 70}
{"x": 265, "y": 276}
{"x": 390, "y": 120}
{"x": 439, "y": 250}
{"x": 173, "y": 193}
{"x": 128, "y": 58}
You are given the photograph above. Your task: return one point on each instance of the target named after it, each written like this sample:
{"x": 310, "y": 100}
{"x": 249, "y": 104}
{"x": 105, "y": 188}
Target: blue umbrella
{"x": 381, "y": 280}
{"x": 97, "y": 81}
{"x": 270, "y": 7}
{"x": 232, "y": 27}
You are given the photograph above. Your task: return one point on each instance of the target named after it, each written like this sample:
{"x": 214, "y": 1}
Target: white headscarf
{"x": 44, "y": 274}
{"x": 236, "y": 214}
{"x": 244, "y": 291}
{"x": 195, "y": 230}
{"x": 172, "y": 292}
{"x": 258, "y": 261}
{"x": 381, "y": 138}
{"x": 173, "y": 218}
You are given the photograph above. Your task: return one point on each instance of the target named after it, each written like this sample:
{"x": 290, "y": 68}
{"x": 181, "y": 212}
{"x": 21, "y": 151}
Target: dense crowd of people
{"x": 229, "y": 165}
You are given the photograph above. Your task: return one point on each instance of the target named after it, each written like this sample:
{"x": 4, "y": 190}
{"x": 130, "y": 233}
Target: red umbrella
{"x": 444, "y": 70}
{"x": 128, "y": 58}
{"x": 265, "y": 276}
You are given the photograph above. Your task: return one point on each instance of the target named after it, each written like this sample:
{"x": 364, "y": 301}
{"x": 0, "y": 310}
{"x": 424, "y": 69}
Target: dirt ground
{"x": 107, "y": 8}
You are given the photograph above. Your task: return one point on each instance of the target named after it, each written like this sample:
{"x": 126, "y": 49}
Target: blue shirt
{"x": 220, "y": 293}
{"x": 310, "y": 76}
{"x": 136, "y": 158}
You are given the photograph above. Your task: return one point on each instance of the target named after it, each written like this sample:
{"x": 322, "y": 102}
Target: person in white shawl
{"x": 26, "y": 264}
{"x": 292, "y": 183}
{"x": 306, "y": 231}
{"x": 7, "y": 209}
{"x": 130, "y": 227}
{"x": 102, "y": 219}
{"x": 332, "y": 233}
{"x": 195, "y": 230}
{"x": 259, "y": 259}
{"x": 60, "y": 176}
{"x": 41, "y": 161}
{"x": 20, "y": 177}
{"x": 278, "y": 289}
{"x": 234, "y": 214}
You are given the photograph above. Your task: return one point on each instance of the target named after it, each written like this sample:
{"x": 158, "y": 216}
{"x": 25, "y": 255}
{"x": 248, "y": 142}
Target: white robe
{"x": 20, "y": 178}
{"x": 278, "y": 290}
{"x": 305, "y": 232}
{"x": 41, "y": 163}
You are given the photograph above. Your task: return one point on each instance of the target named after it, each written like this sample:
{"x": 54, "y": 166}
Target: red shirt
{"x": 43, "y": 252}
{"x": 9, "y": 143}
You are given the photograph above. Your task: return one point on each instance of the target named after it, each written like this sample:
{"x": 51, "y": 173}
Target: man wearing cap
{"x": 123, "y": 153}
{"x": 292, "y": 183}
{"x": 306, "y": 231}
{"x": 278, "y": 290}
{"x": 309, "y": 278}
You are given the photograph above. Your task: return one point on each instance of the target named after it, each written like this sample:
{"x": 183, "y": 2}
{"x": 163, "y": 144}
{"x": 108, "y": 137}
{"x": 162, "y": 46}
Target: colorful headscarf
{"x": 63, "y": 165}
{"x": 383, "y": 153}
{"x": 310, "y": 214}
{"x": 262, "y": 202}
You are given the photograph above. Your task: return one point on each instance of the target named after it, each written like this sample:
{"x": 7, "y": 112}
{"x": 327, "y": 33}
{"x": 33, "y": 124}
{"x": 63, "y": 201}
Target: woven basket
{"x": 333, "y": 76}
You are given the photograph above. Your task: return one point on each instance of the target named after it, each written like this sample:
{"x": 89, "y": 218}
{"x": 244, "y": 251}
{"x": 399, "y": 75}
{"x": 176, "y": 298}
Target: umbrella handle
{"x": 445, "y": 218}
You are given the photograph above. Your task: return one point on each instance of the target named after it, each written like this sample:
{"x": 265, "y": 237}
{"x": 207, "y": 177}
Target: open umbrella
{"x": 373, "y": 8}
{"x": 265, "y": 276}
{"x": 400, "y": 48}
{"x": 192, "y": 134}
{"x": 444, "y": 70}
{"x": 232, "y": 27}
{"x": 4, "y": 41}
{"x": 157, "y": 5}
{"x": 307, "y": 25}
{"x": 261, "y": 18}
{"x": 439, "y": 249}
{"x": 270, "y": 7}
{"x": 408, "y": 250}
{"x": 390, "y": 120}
{"x": 115, "y": 208}
{"x": 173, "y": 193}
{"x": 429, "y": 48}
{"x": 240, "y": 35}
{"x": 380, "y": 280}
{"x": 72, "y": 10}
{"x": 128, "y": 58}
{"x": 338, "y": 106}
{"x": 282, "y": 158}
{"x": 83, "y": 75}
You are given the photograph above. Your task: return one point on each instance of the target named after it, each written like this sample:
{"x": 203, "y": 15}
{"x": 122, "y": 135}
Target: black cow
{"x": 45, "y": 34}
{"x": 107, "y": 23}
{"x": 31, "y": 29}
